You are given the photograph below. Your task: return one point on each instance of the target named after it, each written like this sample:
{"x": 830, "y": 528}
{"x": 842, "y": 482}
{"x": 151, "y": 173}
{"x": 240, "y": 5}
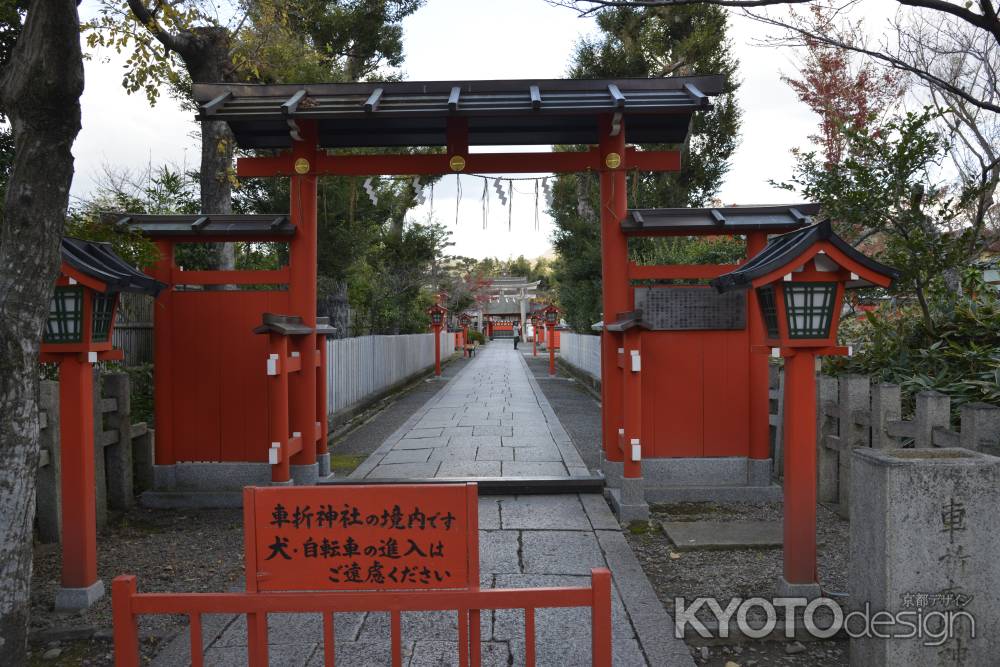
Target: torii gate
{"x": 304, "y": 122}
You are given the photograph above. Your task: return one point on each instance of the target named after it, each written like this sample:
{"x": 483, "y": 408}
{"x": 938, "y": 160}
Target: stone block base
{"x": 731, "y": 479}
{"x": 628, "y": 501}
{"x": 78, "y": 599}
{"x": 304, "y": 475}
{"x": 324, "y": 465}
{"x": 785, "y": 589}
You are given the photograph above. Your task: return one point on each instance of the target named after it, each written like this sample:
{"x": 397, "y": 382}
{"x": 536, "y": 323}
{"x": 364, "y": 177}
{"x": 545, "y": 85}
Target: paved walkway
{"x": 493, "y": 420}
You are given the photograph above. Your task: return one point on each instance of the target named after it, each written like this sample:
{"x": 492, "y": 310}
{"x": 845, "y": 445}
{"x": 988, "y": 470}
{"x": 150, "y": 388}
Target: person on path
{"x": 517, "y": 334}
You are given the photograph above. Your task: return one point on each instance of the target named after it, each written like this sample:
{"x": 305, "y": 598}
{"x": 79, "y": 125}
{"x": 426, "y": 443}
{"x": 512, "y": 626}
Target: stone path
{"x": 490, "y": 420}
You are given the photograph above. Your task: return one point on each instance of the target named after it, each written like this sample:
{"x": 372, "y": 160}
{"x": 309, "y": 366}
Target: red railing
{"x": 128, "y": 604}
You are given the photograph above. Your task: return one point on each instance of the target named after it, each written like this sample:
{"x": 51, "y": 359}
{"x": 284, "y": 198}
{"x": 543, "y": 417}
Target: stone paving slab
{"x": 524, "y": 541}
{"x": 493, "y": 402}
{"x": 714, "y": 535}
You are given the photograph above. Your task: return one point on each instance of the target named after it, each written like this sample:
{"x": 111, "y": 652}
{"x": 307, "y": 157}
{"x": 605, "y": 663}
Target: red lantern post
{"x": 799, "y": 280}
{"x": 437, "y": 313}
{"x": 78, "y": 334}
{"x": 465, "y": 320}
{"x": 551, "y": 319}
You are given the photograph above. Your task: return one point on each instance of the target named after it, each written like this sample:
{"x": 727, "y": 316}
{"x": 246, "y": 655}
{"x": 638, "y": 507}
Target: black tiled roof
{"x": 167, "y": 226}
{"x": 780, "y": 250}
{"x": 498, "y": 112}
{"x": 99, "y": 261}
{"x": 719, "y": 220}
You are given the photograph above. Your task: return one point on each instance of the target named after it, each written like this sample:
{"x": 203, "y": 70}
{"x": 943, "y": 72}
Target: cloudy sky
{"x": 465, "y": 39}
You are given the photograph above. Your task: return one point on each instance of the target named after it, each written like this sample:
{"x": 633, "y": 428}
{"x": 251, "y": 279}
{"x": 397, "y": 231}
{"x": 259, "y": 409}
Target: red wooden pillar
{"x": 535, "y": 331}
{"x": 437, "y": 349}
{"x": 552, "y": 351}
{"x": 614, "y": 278}
{"x": 465, "y": 339}
{"x": 302, "y": 292}
{"x": 760, "y": 427}
{"x": 632, "y": 402}
{"x": 800, "y": 467}
{"x": 79, "y": 497}
{"x": 277, "y": 397}
{"x": 162, "y": 357}
{"x": 321, "y": 396}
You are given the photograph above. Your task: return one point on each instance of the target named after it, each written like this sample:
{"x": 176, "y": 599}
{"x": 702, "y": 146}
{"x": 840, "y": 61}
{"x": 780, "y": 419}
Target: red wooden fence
{"x": 129, "y": 604}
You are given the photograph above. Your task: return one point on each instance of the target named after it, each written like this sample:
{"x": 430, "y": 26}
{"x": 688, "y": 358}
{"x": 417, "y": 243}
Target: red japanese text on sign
{"x": 361, "y": 537}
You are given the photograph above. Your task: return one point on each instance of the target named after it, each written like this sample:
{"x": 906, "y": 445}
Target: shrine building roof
{"x": 98, "y": 261}
{"x": 417, "y": 113}
{"x": 717, "y": 220}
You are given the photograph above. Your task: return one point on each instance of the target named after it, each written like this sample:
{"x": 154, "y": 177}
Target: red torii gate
{"x": 311, "y": 119}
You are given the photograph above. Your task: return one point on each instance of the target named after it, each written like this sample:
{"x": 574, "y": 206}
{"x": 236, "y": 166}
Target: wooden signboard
{"x": 361, "y": 537}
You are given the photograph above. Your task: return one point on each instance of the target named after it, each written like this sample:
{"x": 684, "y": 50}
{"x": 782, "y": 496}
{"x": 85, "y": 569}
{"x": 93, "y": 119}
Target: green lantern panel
{"x": 65, "y": 324}
{"x": 809, "y": 309}
{"x": 768, "y": 310}
{"x": 103, "y": 311}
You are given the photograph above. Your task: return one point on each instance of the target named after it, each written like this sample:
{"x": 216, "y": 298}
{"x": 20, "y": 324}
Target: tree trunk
{"x": 206, "y": 56}
{"x": 40, "y": 92}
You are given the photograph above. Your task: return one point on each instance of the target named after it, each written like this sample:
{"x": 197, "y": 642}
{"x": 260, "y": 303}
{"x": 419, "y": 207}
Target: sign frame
{"x": 254, "y": 576}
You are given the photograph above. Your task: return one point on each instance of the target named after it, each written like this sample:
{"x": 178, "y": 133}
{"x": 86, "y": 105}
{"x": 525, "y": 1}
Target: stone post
{"x": 854, "y": 397}
{"x": 118, "y": 456}
{"x": 827, "y": 479}
{"x": 981, "y": 427}
{"x": 48, "y": 494}
{"x": 886, "y": 407}
{"x": 928, "y": 547}
{"x": 933, "y": 410}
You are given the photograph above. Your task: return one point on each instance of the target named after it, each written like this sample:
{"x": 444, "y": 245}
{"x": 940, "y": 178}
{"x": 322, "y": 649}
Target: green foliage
{"x": 884, "y": 193}
{"x": 476, "y": 337}
{"x": 694, "y": 250}
{"x": 264, "y": 41}
{"x": 645, "y": 42}
{"x": 959, "y": 356}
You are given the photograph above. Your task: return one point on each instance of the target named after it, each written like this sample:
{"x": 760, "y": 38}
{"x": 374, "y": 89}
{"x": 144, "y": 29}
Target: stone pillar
{"x": 854, "y": 398}
{"x": 118, "y": 455}
{"x": 928, "y": 546}
{"x": 981, "y": 427}
{"x": 886, "y": 407}
{"x": 827, "y": 476}
{"x": 933, "y": 411}
{"x": 48, "y": 495}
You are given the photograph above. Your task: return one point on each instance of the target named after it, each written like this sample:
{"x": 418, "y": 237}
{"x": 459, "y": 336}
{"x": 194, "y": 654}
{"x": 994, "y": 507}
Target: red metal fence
{"x": 128, "y": 604}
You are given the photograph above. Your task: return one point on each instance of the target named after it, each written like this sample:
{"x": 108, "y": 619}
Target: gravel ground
{"x": 742, "y": 573}
{"x": 182, "y": 551}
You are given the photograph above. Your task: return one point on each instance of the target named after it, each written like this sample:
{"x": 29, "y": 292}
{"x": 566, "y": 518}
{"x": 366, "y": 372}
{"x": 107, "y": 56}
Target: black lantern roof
{"x": 781, "y": 250}
{"x": 719, "y": 220}
{"x": 238, "y": 227}
{"x": 498, "y": 112}
{"x": 98, "y": 261}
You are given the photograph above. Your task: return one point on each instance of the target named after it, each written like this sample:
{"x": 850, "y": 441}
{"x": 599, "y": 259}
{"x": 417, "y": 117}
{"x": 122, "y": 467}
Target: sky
{"x": 465, "y": 39}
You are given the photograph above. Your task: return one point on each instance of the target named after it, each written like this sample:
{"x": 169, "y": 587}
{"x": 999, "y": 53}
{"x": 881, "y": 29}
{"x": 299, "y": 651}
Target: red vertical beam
{"x": 79, "y": 500}
{"x": 800, "y": 467}
{"x": 302, "y": 290}
{"x": 614, "y": 279}
{"x": 600, "y": 617}
{"x": 163, "y": 356}
{"x": 760, "y": 428}
{"x": 126, "y": 631}
{"x": 632, "y": 403}
{"x": 321, "y": 397}
{"x": 277, "y": 401}
{"x": 552, "y": 350}
{"x": 437, "y": 349}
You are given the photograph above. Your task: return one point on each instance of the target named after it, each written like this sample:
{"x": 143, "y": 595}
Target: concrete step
{"x": 498, "y": 486}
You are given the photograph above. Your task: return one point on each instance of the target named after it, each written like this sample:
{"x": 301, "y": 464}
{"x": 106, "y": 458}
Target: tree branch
{"x": 147, "y": 17}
